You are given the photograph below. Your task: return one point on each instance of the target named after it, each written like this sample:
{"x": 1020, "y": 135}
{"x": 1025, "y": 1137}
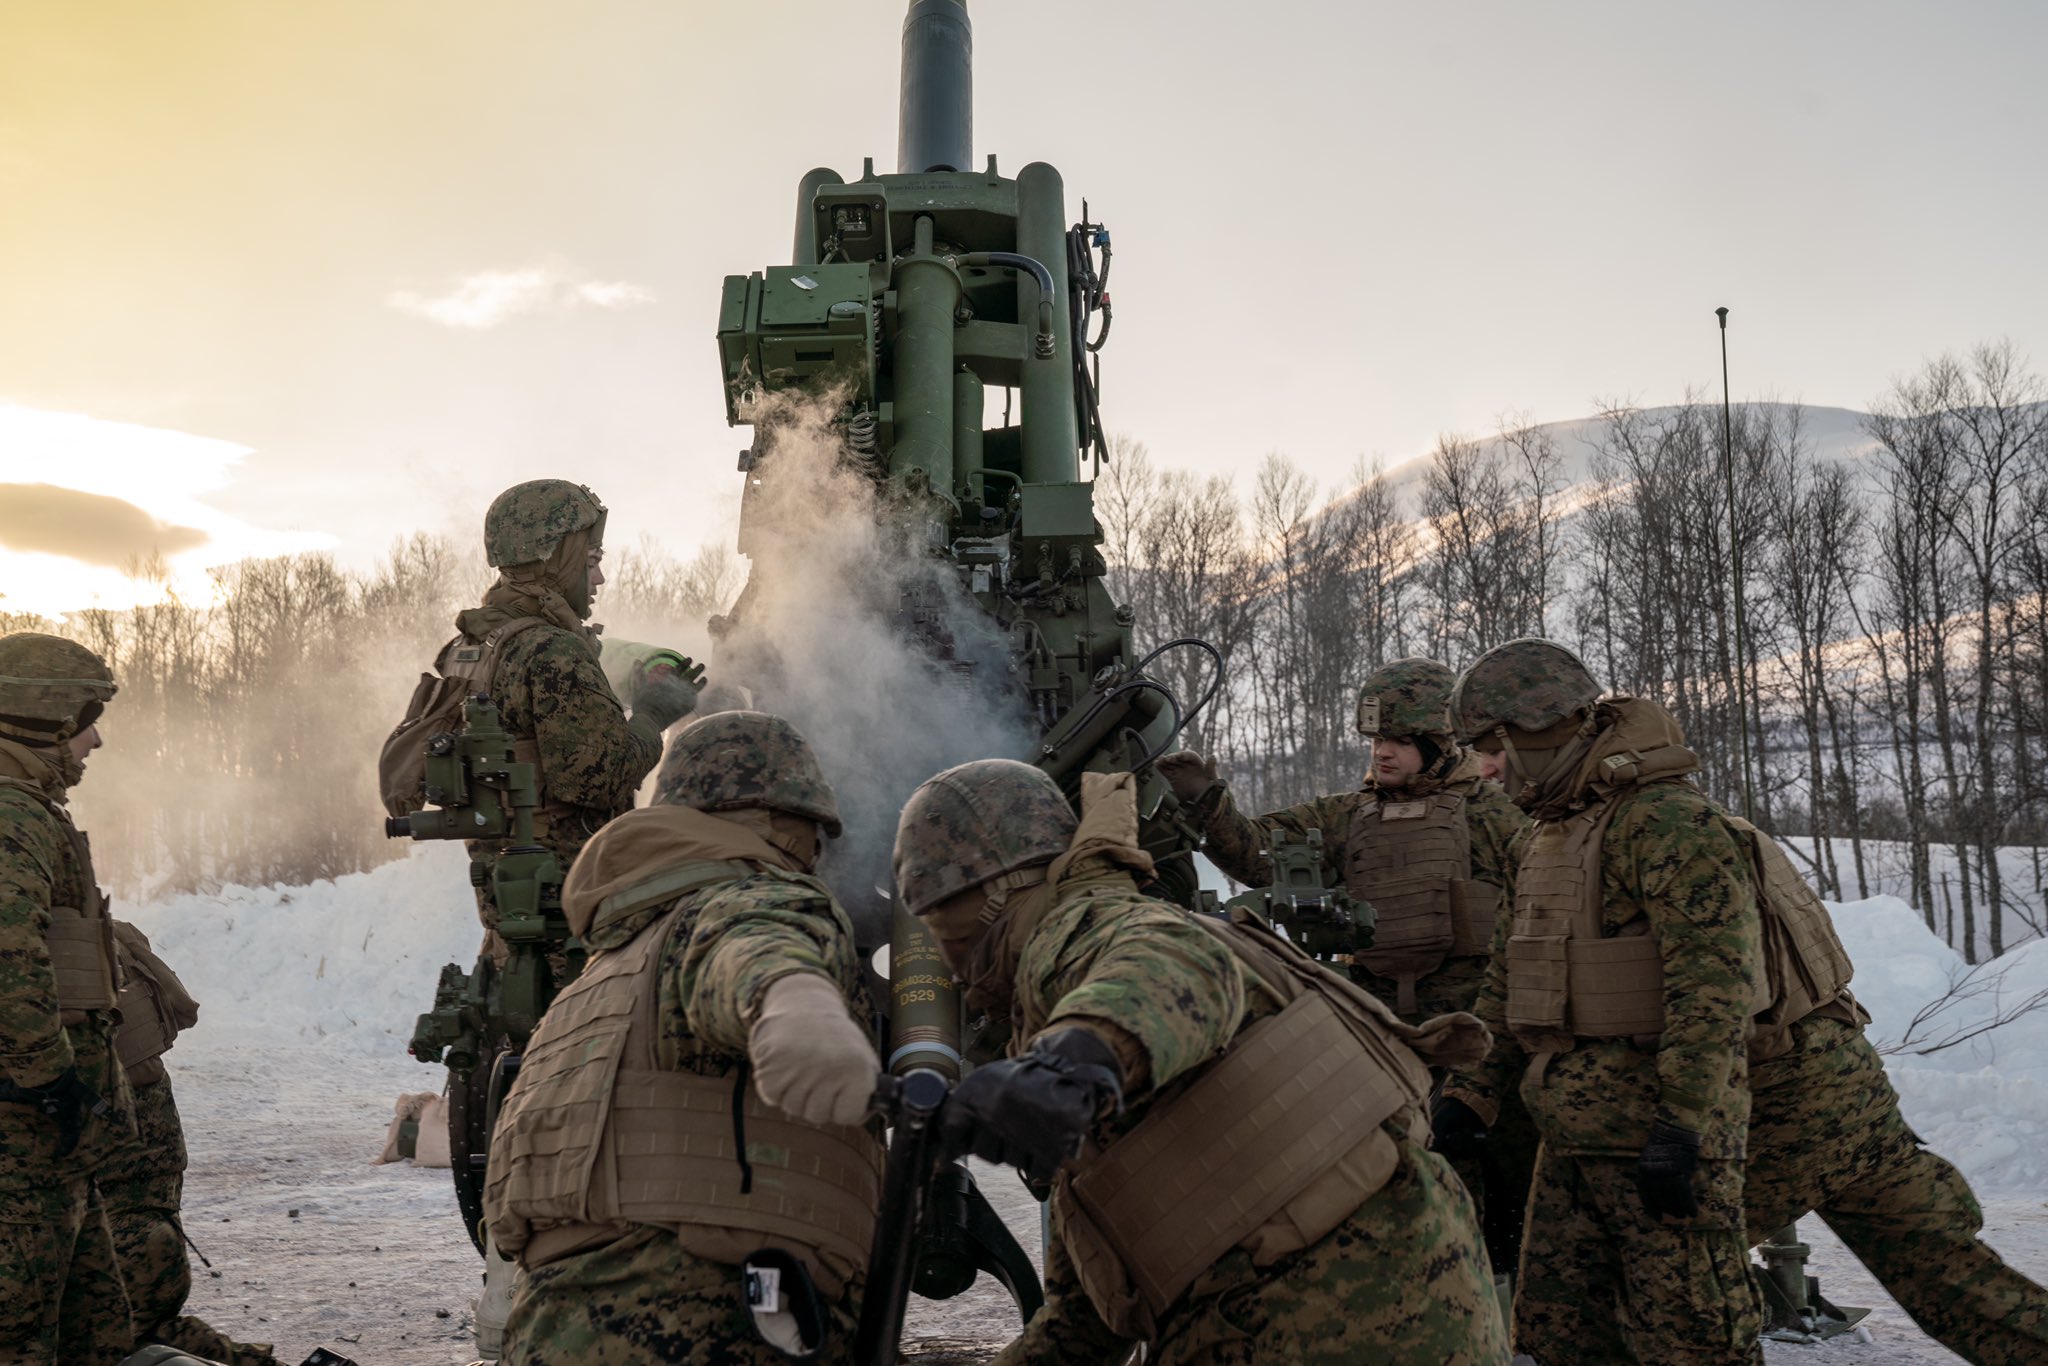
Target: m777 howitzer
{"x": 481, "y": 1019}
{"x": 910, "y": 302}
{"x": 1328, "y": 922}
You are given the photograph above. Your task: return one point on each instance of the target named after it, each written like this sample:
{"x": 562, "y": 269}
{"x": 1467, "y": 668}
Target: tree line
{"x": 1891, "y": 670}
{"x": 1889, "y": 666}
{"x": 242, "y": 746}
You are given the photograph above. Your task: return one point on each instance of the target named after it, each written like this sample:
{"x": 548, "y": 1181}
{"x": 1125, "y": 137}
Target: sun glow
{"x": 86, "y": 505}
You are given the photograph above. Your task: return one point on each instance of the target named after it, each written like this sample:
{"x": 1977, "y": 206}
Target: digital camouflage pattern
{"x": 40, "y": 869}
{"x": 1825, "y": 1135}
{"x": 64, "y": 1304}
{"x": 974, "y": 823}
{"x": 527, "y": 521}
{"x": 1406, "y": 697}
{"x": 1602, "y": 1281}
{"x": 1530, "y": 684}
{"x": 1393, "y": 1284}
{"x": 643, "y": 1299}
{"x": 746, "y": 759}
{"x": 143, "y": 1189}
{"x": 1672, "y": 867}
{"x": 550, "y": 688}
{"x": 46, "y": 682}
{"x": 1405, "y": 1275}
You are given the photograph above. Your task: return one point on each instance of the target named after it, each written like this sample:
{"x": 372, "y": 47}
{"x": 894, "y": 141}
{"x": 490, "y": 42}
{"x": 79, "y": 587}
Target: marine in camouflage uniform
{"x": 1445, "y": 918}
{"x": 1634, "y": 1248}
{"x": 1124, "y": 1011}
{"x": 67, "y": 1108}
{"x": 143, "y": 1186}
{"x": 545, "y": 539}
{"x": 747, "y": 971}
{"x": 1826, "y": 1135}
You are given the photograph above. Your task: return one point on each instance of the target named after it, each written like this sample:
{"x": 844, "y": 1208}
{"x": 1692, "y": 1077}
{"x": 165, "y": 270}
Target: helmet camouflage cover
{"x": 734, "y": 759}
{"x": 527, "y": 521}
{"x": 1406, "y": 697}
{"x": 1530, "y": 684}
{"x": 972, "y": 824}
{"x": 50, "y": 688}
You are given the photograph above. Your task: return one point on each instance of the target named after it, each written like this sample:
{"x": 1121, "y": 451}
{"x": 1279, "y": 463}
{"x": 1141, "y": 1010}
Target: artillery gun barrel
{"x": 935, "y": 121}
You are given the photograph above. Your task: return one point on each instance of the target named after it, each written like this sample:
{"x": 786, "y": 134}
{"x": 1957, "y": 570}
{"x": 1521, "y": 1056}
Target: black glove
{"x": 67, "y": 1100}
{"x": 1032, "y": 1112}
{"x": 1664, "y": 1172}
{"x": 1189, "y": 775}
{"x": 1456, "y": 1128}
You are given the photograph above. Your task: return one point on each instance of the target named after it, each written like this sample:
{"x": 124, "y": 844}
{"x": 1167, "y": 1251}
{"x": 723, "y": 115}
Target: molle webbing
{"x": 1806, "y": 967}
{"x": 155, "y": 1007}
{"x": 1272, "y": 1146}
{"x": 1293, "y": 1095}
{"x": 1413, "y": 861}
{"x": 82, "y": 955}
{"x": 595, "y": 1133}
{"x": 1565, "y": 980}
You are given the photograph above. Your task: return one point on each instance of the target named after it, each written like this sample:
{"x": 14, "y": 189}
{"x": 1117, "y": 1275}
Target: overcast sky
{"x": 403, "y": 254}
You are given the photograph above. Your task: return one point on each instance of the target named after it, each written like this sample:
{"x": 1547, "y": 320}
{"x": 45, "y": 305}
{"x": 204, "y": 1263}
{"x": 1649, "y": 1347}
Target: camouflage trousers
{"x": 63, "y": 1301}
{"x": 1402, "y": 1282}
{"x": 1826, "y": 1136}
{"x": 1602, "y": 1281}
{"x": 1499, "y": 1181}
{"x": 642, "y": 1301}
{"x": 150, "y": 1243}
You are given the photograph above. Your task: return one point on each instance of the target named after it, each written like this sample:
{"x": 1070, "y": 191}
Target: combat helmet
{"x": 734, "y": 759}
{"x": 974, "y": 823}
{"x": 50, "y": 688}
{"x": 527, "y": 521}
{"x": 1406, "y": 697}
{"x": 1530, "y": 684}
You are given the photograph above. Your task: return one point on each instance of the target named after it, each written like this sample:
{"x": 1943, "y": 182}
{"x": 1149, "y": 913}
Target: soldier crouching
{"x": 1252, "y": 1182}
{"x": 634, "y": 1171}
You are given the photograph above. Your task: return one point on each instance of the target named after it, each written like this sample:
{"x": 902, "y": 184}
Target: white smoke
{"x": 825, "y": 635}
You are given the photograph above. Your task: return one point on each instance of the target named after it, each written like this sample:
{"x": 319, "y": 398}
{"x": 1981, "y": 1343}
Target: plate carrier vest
{"x": 1269, "y": 1147}
{"x": 80, "y": 938}
{"x": 1412, "y": 860}
{"x": 595, "y": 1135}
{"x": 155, "y": 1008}
{"x": 1567, "y": 980}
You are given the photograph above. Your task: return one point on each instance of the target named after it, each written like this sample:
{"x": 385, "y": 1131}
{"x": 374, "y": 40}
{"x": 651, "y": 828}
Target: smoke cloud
{"x": 855, "y": 631}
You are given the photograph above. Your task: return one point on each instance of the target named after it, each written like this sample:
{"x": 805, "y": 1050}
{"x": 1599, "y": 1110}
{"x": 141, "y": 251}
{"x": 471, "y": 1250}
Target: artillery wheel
{"x": 472, "y": 1110}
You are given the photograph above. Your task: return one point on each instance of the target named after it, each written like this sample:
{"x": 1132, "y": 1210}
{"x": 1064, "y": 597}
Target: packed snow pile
{"x": 1979, "y": 1099}
{"x": 341, "y": 966}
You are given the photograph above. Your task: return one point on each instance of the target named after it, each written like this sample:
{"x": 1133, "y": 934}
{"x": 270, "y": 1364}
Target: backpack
{"x": 461, "y": 671}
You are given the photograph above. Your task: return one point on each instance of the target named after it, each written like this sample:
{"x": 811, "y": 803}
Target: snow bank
{"x": 1983, "y": 1102}
{"x": 345, "y": 966}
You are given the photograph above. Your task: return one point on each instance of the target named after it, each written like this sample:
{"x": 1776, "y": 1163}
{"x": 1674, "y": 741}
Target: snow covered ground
{"x": 309, "y": 996}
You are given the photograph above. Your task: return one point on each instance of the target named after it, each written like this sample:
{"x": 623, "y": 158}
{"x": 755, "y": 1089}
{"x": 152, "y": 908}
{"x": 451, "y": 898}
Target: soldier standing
{"x": 1189, "y": 1060}
{"x": 68, "y": 1108}
{"x": 528, "y": 648}
{"x": 143, "y": 1186}
{"x": 1428, "y": 843}
{"x": 1624, "y": 994}
{"x": 635, "y": 1173}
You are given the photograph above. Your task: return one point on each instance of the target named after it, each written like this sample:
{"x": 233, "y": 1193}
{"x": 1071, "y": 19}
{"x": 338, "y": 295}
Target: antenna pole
{"x": 1735, "y": 556}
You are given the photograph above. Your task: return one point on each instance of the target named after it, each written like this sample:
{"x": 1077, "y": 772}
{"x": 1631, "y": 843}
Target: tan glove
{"x": 810, "y": 1059}
{"x": 1189, "y": 775}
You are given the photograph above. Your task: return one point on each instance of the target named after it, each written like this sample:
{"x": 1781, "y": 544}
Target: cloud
{"x": 489, "y": 297}
{"x": 91, "y": 527}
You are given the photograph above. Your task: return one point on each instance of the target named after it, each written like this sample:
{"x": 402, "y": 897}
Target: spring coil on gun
{"x": 862, "y": 432}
